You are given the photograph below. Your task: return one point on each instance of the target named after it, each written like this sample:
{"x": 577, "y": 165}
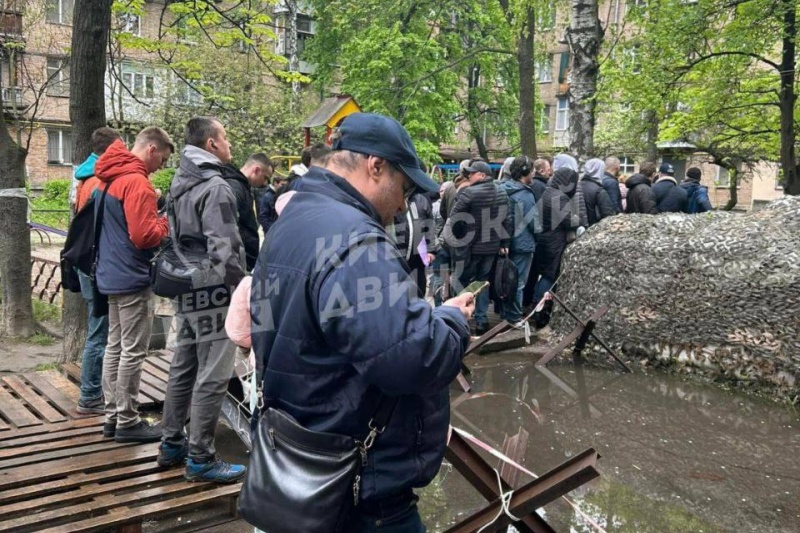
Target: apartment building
{"x": 35, "y": 37}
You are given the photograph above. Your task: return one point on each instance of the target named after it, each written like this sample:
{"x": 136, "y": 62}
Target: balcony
{"x": 10, "y": 25}
{"x": 12, "y": 98}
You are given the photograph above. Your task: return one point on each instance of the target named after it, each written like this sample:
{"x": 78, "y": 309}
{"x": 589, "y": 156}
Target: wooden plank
{"x": 60, "y": 444}
{"x": 569, "y": 339}
{"x": 4, "y": 426}
{"x": 50, "y": 429}
{"x": 15, "y": 411}
{"x": 38, "y": 459}
{"x": 156, "y": 372}
{"x": 85, "y": 492}
{"x": 102, "y": 503}
{"x": 51, "y": 438}
{"x": 159, "y": 362}
{"x": 116, "y": 457}
{"x": 64, "y": 403}
{"x": 61, "y": 382}
{"x": 34, "y": 400}
{"x": 125, "y": 515}
{"x": 47, "y": 488}
{"x": 153, "y": 394}
{"x": 155, "y": 384}
{"x": 72, "y": 370}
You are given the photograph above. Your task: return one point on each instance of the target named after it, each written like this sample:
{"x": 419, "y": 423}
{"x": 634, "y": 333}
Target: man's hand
{"x": 465, "y": 302}
{"x": 503, "y": 252}
{"x": 431, "y": 258}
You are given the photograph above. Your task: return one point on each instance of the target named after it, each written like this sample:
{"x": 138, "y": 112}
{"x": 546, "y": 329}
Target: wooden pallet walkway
{"x": 58, "y": 473}
{"x": 155, "y": 374}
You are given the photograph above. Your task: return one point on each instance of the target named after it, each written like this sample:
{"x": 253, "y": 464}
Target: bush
{"x": 57, "y": 191}
{"x": 162, "y": 179}
{"x": 51, "y": 208}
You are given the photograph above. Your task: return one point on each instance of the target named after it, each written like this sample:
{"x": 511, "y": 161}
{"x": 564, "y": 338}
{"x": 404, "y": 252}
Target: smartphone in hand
{"x": 476, "y": 287}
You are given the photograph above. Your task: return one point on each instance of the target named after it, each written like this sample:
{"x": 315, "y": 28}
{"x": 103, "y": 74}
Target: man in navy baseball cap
{"x": 378, "y": 135}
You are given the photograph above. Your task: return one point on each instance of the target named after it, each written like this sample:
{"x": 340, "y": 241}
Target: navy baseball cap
{"x": 666, "y": 168}
{"x": 479, "y": 166}
{"x": 382, "y": 136}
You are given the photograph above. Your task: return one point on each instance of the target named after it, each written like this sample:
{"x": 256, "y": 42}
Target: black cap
{"x": 479, "y": 166}
{"x": 373, "y": 134}
{"x": 666, "y": 168}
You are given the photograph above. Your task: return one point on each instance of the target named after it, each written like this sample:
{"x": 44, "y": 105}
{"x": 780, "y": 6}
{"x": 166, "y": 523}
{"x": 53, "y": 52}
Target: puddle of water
{"x": 676, "y": 456}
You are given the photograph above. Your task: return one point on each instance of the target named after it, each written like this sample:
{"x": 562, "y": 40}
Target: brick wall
{"x": 37, "y": 168}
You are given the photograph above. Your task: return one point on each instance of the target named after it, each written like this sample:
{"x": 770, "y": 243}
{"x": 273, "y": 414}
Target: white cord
{"x": 505, "y": 502}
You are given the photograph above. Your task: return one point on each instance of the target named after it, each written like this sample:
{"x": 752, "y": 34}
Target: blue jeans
{"x": 440, "y": 265}
{"x": 407, "y": 521}
{"x": 542, "y": 286}
{"x": 512, "y": 311}
{"x": 94, "y": 348}
{"x": 478, "y": 269}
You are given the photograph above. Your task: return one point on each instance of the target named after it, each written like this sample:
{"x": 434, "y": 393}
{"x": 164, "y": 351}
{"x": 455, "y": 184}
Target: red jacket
{"x": 131, "y": 225}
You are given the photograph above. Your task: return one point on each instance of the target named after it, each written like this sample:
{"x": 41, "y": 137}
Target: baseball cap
{"x": 382, "y": 136}
{"x": 666, "y": 168}
{"x": 479, "y": 166}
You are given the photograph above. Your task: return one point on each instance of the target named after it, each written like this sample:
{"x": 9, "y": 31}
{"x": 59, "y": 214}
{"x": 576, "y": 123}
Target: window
{"x": 544, "y": 69}
{"x": 723, "y": 178}
{"x": 547, "y": 18}
{"x": 304, "y": 34}
{"x": 633, "y": 59}
{"x": 187, "y": 94}
{"x": 130, "y": 23}
{"x": 138, "y": 83}
{"x": 57, "y": 77}
{"x": 563, "y": 68}
{"x": 59, "y": 147}
{"x": 60, "y": 11}
{"x": 562, "y": 113}
{"x": 635, "y": 4}
{"x": 544, "y": 119}
{"x": 626, "y": 165}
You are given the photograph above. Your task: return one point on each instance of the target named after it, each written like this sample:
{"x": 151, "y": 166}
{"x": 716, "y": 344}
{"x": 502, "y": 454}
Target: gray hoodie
{"x": 205, "y": 216}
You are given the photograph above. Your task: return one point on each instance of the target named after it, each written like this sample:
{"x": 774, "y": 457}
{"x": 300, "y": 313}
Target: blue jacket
{"x": 266, "y": 209}
{"x": 697, "y": 194}
{"x": 611, "y": 186}
{"x": 336, "y": 320}
{"x": 524, "y": 215}
{"x": 669, "y": 197}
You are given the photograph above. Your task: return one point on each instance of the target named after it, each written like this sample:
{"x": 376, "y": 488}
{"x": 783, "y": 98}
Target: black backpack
{"x": 504, "y": 280}
{"x": 80, "y": 248}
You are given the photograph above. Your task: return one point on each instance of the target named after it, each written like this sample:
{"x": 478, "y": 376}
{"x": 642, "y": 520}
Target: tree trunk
{"x": 584, "y": 35}
{"x": 291, "y": 41}
{"x": 651, "y": 136}
{"x": 787, "y": 99}
{"x": 474, "y": 113}
{"x": 527, "y": 87}
{"x": 87, "y": 112}
{"x": 733, "y": 199}
{"x": 15, "y": 239}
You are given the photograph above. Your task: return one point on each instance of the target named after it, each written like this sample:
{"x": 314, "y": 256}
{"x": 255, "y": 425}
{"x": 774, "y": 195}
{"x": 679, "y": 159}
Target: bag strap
{"x": 98, "y": 226}
{"x": 379, "y": 420}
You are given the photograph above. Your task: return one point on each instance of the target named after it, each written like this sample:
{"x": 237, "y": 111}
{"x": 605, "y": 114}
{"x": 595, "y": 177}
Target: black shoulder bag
{"x": 302, "y": 480}
{"x": 174, "y": 270}
{"x": 99, "y": 301}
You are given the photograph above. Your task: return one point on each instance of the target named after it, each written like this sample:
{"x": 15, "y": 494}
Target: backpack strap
{"x": 98, "y": 226}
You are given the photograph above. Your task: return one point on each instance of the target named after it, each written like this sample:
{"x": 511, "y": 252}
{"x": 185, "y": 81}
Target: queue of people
{"x": 332, "y": 300}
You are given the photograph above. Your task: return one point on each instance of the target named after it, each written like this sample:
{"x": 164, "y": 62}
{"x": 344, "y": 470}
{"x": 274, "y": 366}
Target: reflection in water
{"x": 677, "y": 456}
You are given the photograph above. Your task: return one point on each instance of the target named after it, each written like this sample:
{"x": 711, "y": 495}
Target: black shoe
{"x": 110, "y": 429}
{"x": 141, "y": 432}
{"x": 481, "y": 329}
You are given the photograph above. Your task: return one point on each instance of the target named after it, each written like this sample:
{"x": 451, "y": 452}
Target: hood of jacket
{"x": 594, "y": 169}
{"x": 513, "y": 185}
{"x": 190, "y": 174}
{"x": 320, "y": 181}
{"x": 637, "y": 179}
{"x": 86, "y": 169}
{"x": 565, "y": 180}
{"x": 227, "y": 172}
{"x": 118, "y": 161}
{"x": 668, "y": 179}
{"x": 565, "y": 161}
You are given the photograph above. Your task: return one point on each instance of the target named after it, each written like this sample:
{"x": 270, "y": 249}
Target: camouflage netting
{"x": 716, "y": 293}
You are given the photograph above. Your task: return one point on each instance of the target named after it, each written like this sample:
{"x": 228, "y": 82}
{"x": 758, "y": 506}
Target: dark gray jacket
{"x": 598, "y": 204}
{"x": 482, "y": 210}
{"x": 205, "y": 213}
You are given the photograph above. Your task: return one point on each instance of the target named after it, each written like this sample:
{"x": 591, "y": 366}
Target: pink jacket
{"x": 237, "y": 323}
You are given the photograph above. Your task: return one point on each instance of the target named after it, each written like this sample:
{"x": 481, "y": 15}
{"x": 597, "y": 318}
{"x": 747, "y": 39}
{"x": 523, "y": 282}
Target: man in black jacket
{"x": 640, "y": 196}
{"x": 482, "y": 210}
{"x": 541, "y": 175}
{"x": 245, "y": 206}
{"x": 611, "y": 182}
{"x": 598, "y": 204}
{"x": 669, "y": 197}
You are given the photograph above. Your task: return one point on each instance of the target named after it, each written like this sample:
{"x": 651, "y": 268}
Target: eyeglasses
{"x": 408, "y": 186}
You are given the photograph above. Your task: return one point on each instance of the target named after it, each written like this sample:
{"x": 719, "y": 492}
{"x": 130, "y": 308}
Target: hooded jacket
{"x": 697, "y": 197}
{"x": 524, "y": 216}
{"x": 556, "y": 215}
{"x": 595, "y": 197}
{"x": 612, "y": 187}
{"x": 205, "y": 218}
{"x": 336, "y": 321}
{"x": 538, "y": 185}
{"x": 245, "y": 209}
{"x": 131, "y": 226}
{"x": 482, "y": 208}
{"x": 669, "y": 197}
{"x": 640, "y": 197}
{"x": 87, "y": 181}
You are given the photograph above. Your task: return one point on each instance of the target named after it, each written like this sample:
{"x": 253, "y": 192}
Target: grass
{"x": 41, "y": 339}
{"x": 46, "y": 366}
{"x": 45, "y": 312}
